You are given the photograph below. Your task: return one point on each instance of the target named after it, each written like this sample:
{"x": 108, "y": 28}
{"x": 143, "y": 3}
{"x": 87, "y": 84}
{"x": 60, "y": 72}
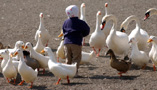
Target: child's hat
{"x": 72, "y": 11}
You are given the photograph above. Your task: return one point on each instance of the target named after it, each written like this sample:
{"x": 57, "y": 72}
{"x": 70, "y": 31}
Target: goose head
{"x": 83, "y": 7}
{"x": 110, "y": 51}
{"x": 19, "y": 44}
{"x": 133, "y": 41}
{"x": 152, "y": 39}
{"x": 46, "y": 49}
{"x": 18, "y": 52}
{"x": 41, "y": 15}
{"x": 98, "y": 20}
{"x": 150, "y": 12}
{"x": 28, "y": 46}
{"x": 5, "y": 54}
{"x": 106, "y": 19}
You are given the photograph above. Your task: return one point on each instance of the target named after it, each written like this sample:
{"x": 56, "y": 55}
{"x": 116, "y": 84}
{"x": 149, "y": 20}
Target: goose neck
{"x": 134, "y": 18}
{"x": 106, "y": 12}
{"x": 98, "y": 21}
{"x": 134, "y": 47}
{"x": 41, "y": 26}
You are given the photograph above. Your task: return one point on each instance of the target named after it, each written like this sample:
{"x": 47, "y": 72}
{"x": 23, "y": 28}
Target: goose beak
{"x": 25, "y": 47}
{"x": 14, "y": 54}
{"x": 150, "y": 40}
{"x": 146, "y": 17}
{"x": 42, "y": 51}
{"x": 61, "y": 34}
{"x": 102, "y": 26}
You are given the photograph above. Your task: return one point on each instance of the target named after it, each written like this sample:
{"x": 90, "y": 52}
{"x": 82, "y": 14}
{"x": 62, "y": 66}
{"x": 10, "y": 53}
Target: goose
{"x": 27, "y": 73}
{"x": 139, "y": 58}
{"x": 39, "y": 45}
{"x": 60, "y": 51}
{"x": 9, "y": 71}
{"x": 138, "y": 33}
{"x": 120, "y": 65}
{"x": 116, "y": 40}
{"x": 150, "y": 12}
{"x": 86, "y": 57}
{"x": 43, "y": 60}
{"x": 97, "y": 39}
{"x": 60, "y": 70}
{"x": 30, "y": 61}
{"x": 5, "y": 57}
{"x": 44, "y": 32}
{"x": 82, "y": 17}
{"x": 108, "y": 25}
{"x": 153, "y": 51}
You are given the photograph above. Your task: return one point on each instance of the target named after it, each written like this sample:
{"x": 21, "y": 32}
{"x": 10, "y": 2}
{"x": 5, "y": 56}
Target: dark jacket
{"x": 74, "y": 30}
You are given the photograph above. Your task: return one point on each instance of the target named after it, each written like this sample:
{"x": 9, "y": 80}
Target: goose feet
{"x": 68, "y": 79}
{"x": 58, "y": 81}
{"x": 144, "y": 66}
{"x": 31, "y": 85}
{"x": 8, "y": 80}
{"x": 120, "y": 73}
{"x": 154, "y": 68}
{"x": 98, "y": 53}
{"x": 94, "y": 50}
{"x": 21, "y": 83}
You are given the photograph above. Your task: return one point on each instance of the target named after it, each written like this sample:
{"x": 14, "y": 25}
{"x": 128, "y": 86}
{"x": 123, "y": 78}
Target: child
{"x": 74, "y": 30}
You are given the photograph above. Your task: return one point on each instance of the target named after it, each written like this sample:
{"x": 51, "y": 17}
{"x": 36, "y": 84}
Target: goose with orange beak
{"x": 44, "y": 32}
{"x": 60, "y": 70}
{"x": 27, "y": 73}
{"x": 153, "y": 51}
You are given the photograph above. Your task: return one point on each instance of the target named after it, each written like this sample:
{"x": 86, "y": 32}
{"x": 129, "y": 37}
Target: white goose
{"x": 60, "y": 70}
{"x": 108, "y": 25}
{"x": 60, "y": 51}
{"x": 116, "y": 40}
{"x": 44, "y": 32}
{"x": 153, "y": 51}
{"x": 43, "y": 60}
{"x": 9, "y": 71}
{"x": 150, "y": 12}
{"x": 27, "y": 73}
{"x": 5, "y": 56}
{"x": 39, "y": 45}
{"x": 97, "y": 39}
{"x": 139, "y": 58}
{"x": 83, "y": 17}
{"x": 138, "y": 33}
{"x": 86, "y": 57}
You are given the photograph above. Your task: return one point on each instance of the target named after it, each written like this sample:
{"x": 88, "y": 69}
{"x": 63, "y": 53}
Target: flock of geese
{"x": 26, "y": 59}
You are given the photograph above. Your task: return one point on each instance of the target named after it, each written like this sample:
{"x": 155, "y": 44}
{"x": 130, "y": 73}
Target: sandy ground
{"x": 19, "y": 20}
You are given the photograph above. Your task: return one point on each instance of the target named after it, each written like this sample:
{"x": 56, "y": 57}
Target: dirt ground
{"x": 19, "y": 20}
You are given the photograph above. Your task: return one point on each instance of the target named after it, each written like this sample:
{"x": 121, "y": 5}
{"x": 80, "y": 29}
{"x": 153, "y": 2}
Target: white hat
{"x": 72, "y": 11}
